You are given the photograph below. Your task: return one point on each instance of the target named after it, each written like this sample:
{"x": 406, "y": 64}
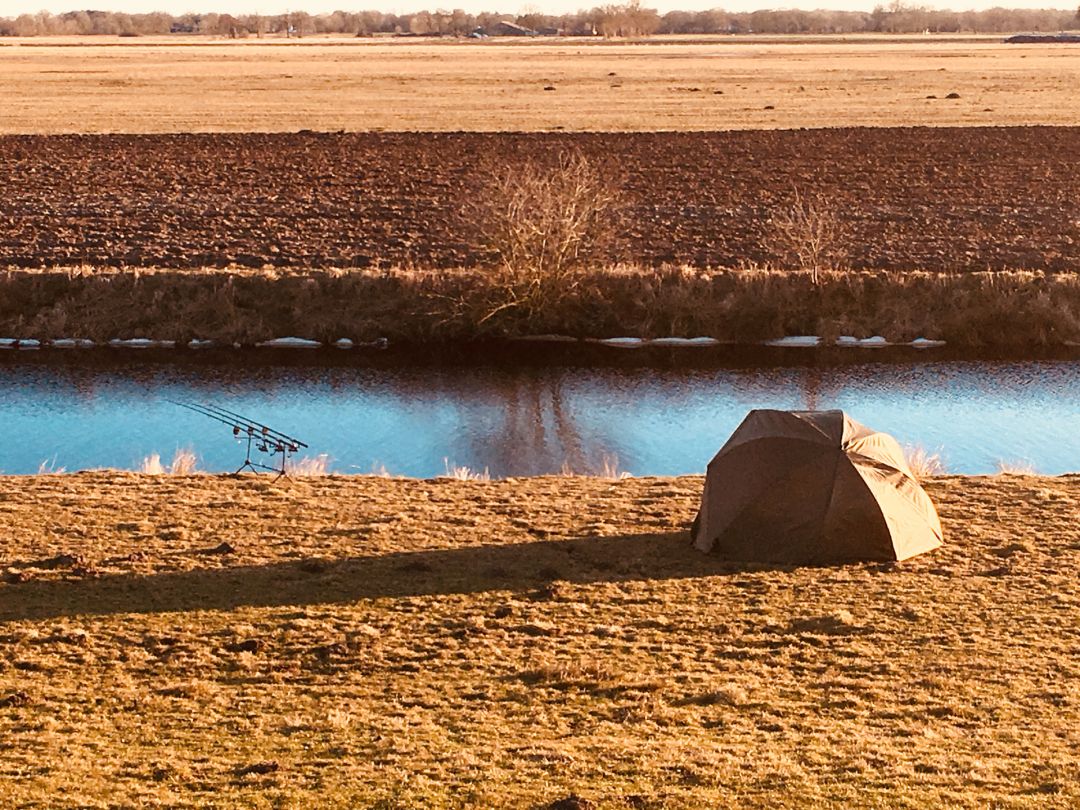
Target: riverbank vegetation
{"x": 372, "y": 642}
{"x": 1005, "y": 310}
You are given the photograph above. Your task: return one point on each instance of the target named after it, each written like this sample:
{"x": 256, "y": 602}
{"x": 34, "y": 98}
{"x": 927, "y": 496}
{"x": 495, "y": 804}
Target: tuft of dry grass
{"x": 378, "y": 470}
{"x": 48, "y": 467}
{"x": 923, "y": 463}
{"x": 587, "y": 673}
{"x": 184, "y": 462}
{"x": 1015, "y": 467}
{"x": 309, "y": 466}
{"x": 151, "y": 465}
{"x": 462, "y": 473}
{"x": 607, "y": 468}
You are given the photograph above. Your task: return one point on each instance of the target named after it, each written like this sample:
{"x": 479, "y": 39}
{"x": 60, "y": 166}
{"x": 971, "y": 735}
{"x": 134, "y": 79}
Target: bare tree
{"x": 545, "y": 223}
{"x": 809, "y": 234}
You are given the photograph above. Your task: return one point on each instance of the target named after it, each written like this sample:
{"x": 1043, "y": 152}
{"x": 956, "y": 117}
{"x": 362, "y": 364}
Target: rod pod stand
{"x": 255, "y": 466}
{"x": 264, "y": 438}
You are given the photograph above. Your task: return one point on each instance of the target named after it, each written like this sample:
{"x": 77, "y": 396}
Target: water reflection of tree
{"x": 810, "y": 383}
{"x": 538, "y": 430}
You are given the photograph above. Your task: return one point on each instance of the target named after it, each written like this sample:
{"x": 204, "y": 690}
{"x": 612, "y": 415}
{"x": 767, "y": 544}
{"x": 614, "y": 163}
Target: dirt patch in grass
{"x": 398, "y": 643}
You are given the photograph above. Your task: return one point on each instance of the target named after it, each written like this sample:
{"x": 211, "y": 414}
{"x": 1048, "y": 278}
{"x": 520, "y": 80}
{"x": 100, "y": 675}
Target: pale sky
{"x": 12, "y": 8}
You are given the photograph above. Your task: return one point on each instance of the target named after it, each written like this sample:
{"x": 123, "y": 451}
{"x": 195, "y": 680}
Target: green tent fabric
{"x": 813, "y": 487}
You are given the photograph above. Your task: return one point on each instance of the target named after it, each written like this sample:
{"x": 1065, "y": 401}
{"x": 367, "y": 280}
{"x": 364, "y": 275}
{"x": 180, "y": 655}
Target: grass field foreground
{"x": 368, "y": 642}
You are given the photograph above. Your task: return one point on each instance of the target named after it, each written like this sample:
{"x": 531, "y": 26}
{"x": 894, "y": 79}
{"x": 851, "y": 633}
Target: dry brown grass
{"x": 309, "y": 466}
{"x": 1013, "y": 467}
{"x": 151, "y": 465}
{"x": 1013, "y": 310}
{"x": 184, "y": 462}
{"x": 453, "y": 644}
{"x": 145, "y": 85}
{"x": 924, "y": 463}
{"x": 458, "y": 472}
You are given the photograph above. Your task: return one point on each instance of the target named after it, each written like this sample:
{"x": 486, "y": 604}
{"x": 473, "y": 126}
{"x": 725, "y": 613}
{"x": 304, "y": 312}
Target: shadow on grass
{"x": 474, "y": 569}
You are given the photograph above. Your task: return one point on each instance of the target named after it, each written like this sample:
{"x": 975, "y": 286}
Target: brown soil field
{"x": 365, "y": 642}
{"x": 929, "y": 198}
{"x": 177, "y": 85}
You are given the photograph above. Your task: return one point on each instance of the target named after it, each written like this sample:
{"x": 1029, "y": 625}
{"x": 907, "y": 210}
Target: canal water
{"x": 420, "y": 420}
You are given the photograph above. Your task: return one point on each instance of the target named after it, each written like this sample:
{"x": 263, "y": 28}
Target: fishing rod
{"x": 266, "y": 430}
{"x": 263, "y": 438}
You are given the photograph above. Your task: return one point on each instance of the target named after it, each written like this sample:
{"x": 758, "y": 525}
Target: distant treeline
{"x": 629, "y": 20}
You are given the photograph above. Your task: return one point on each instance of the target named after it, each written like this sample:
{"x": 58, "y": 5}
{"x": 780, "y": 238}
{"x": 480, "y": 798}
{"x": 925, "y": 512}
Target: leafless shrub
{"x": 545, "y": 223}
{"x": 808, "y": 234}
{"x": 923, "y": 463}
{"x": 151, "y": 465}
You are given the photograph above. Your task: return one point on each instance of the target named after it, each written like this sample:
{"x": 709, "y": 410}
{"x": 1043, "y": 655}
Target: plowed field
{"x": 933, "y": 198}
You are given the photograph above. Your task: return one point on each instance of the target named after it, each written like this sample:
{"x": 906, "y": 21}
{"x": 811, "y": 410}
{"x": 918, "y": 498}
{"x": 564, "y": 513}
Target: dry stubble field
{"x": 368, "y": 642}
{"x": 100, "y": 84}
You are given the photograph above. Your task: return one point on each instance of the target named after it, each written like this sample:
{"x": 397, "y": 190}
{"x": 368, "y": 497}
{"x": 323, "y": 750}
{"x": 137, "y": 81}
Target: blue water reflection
{"x": 528, "y": 420}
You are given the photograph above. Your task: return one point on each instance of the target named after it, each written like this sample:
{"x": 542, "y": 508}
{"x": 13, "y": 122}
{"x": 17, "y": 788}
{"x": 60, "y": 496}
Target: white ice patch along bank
{"x": 623, "y": 342}
{"x": 795, "y": 342}
{"x": 661, "y": 343}
{"x": 289, "y": 343}
{"x": 72, "y": 343}
{"x": 685, "y": 343}
{"x": 849, "y": 341}
{"x": 141, "y": 343}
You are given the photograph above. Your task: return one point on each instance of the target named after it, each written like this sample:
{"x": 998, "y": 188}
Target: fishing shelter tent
{"x": 813, "y": 487}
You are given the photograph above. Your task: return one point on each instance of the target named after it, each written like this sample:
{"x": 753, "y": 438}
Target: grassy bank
{"x": 385, "y": 643}
{"x": 976, "y": 310}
